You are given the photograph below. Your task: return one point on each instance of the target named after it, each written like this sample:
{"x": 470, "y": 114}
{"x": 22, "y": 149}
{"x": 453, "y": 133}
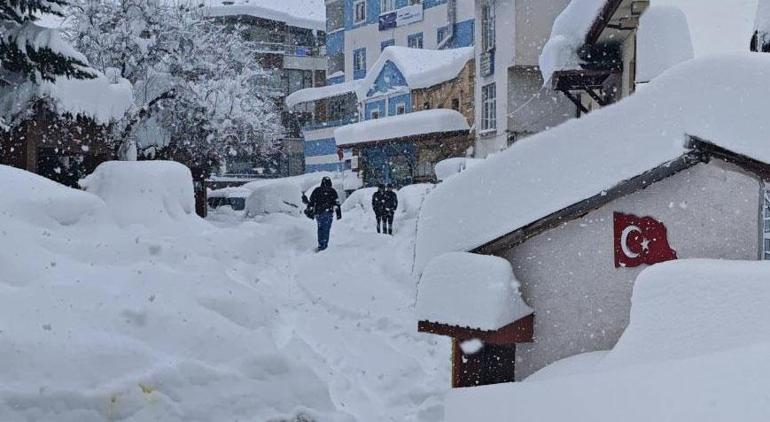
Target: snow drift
{"x": 696, "y": 349}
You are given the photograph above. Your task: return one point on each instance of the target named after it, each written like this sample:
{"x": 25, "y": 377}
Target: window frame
{"x": 356, "y": 5}
{"x": 359, "y": 60}
{"x": 410, "y": 39}
{"x": 384, "y": 6}
{"x": 374, "y": 114}
{"x": 765, "y": 229}
{"x": 489, "y": 107}
{"x": 488, "y": 30}
{"x": 400, "y": 105}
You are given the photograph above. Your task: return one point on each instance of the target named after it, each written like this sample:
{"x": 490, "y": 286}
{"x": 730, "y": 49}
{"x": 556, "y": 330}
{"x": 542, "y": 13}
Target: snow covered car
{"x": 278, "y": 197}
{"x": 235, "y": 198}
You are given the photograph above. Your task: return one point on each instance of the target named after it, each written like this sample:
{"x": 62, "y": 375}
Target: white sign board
{"x": 409, "y": 14}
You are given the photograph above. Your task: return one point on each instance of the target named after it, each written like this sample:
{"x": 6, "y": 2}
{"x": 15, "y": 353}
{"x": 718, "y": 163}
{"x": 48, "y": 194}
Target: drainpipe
{"x": 451, "y": 12}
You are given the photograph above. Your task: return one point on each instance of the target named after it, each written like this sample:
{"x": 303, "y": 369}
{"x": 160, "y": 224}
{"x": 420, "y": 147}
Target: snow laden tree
{"x": 30, "y": 54}
{"x": 201, "y": 95}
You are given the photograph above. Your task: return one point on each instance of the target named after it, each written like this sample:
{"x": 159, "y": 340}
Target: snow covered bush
{"x": 150, "y": 193}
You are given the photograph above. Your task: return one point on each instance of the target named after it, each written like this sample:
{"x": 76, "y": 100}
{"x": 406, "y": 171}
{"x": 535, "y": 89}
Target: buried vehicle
{"x": 278, "y": 197}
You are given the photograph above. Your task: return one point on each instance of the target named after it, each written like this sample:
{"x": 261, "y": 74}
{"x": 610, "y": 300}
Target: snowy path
{"x": 353, "y": 306}
{"x": 225, "y": 320}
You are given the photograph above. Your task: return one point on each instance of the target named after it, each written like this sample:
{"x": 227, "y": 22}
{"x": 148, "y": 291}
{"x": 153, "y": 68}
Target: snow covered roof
{"x": 470, "y": 290}
{"x": 698, "y": 341}
{"x": 410, "y": 124}
{"x": 98, "y": 98}
{"x": 310, "y": 14}
{"x": 421, "y": 68}
{"x": 663, "y": 40}
{"x": 567, "y": 36}
{"x": 313, "y": 94}
{"x": 722, "y": 99}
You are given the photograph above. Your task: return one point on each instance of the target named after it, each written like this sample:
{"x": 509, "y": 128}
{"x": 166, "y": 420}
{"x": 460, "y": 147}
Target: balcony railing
{"x": 290, "y": 49}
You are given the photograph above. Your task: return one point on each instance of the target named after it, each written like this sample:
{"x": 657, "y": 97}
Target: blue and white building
{"x": 357, "y": 33}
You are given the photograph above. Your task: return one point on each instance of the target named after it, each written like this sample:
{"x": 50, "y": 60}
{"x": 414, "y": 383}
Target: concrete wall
{"x": 532, "y": 107}
{"x": 582, "y": 301}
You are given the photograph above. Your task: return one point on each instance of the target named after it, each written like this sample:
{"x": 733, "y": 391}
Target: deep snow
{"x": 224, "y": 320}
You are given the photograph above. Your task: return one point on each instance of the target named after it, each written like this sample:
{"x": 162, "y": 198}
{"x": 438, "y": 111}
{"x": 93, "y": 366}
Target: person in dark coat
{"x": 324, "y": 202}
{"x": 378, "y": 204}
{"x": 391, "y": 205}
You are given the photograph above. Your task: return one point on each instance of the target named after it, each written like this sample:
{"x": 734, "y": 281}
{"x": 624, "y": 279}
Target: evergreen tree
{"x": 30, "y": 52}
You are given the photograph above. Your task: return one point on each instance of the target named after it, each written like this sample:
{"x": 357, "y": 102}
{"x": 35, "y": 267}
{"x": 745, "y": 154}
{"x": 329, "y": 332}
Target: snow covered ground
{"x": 181, "y": 319}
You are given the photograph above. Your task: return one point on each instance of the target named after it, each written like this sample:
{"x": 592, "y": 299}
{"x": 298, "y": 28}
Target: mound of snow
{"x": 447, "y": 168}
{"x": 663, "y": 41}
{"x": 470, "y": 290}
{"x": 150, "y": 193}
{"x": 696, "y": 349}
{"x": 360, "y": 199}
{"x": 410, "y": 199}
{"x": 280, "y": 197}
{"x": 45, "y": 203}
{"x": 303, "y": 182}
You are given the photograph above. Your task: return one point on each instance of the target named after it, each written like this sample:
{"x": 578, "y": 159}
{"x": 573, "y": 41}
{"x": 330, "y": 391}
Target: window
{"x": 386, "y": 44}
{"x": 359, "y": 8}
{"x": 766, "y": 218}
{"x": 387, "y": 6}
{"x": 441, "y": 33}
{"x": 359, "y": 63}
{"x": 456, "y": 104}
{"x": 426, "y": 105}
{"x": 487, "y": 26}
{"x": 488, "y": 107}
{"x": 400, "y": 109}
{"x": 415, "y": 40}
{"x": 335, "y": 16}
{"x": 374, "y": 114}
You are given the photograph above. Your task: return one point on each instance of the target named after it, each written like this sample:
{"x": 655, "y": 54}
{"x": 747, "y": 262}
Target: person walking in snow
{"x": 378, "y": 204}
{"x": 323, "y": 202}
{"x": 391, "y": 205}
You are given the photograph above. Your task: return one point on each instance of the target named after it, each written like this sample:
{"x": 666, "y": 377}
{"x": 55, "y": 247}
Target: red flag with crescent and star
{"x": 640, "y": 241}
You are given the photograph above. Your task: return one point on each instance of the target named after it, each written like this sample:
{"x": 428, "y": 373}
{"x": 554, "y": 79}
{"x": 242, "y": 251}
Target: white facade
{"x": 521, "y": 28}
{"x": 582, "y": 302}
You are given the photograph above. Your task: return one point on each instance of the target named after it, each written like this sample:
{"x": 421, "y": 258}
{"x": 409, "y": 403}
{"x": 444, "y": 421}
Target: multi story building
{"x": 511, "y": 100}
{"x": 357, "y": 33}
{"x": 290, "y": 37}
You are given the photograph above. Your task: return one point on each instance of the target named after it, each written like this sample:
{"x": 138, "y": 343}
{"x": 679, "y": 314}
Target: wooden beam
{"x": 576, "y": 101}
{"x": 521, "y": 331}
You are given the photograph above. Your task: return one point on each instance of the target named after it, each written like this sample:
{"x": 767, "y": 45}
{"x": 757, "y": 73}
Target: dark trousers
{"x": 386, "y": 220}
{"x": 324, "y": 221}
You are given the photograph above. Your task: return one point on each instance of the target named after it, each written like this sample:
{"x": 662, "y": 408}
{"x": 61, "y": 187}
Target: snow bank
{"x": 309, "y": 14}
{"x": 280, "y": 197}
{"x": 360, "y": 199}
{"x": 45, "y": 203}
{"x": 470, "y": 290}
{"x": 149, "y": 193}
{"x": 447, "y": 168}
{"x": 421, "y": 68}
{"x": 567, "y": 36}
{"x": 312, "y": 94}
{"x": 721, "y": 99}
{"x": 663, "y": 41}
{"x": 303, "y": 181}
{"x": 696, "y": 349}
{"x": 410, "y": 199}
{"x": 410, "y": 124}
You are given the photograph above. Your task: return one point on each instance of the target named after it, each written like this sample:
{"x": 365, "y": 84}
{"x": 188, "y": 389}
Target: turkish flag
{"x": 640, "y": 240}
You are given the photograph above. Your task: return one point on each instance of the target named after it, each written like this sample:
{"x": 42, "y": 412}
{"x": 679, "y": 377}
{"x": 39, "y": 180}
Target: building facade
{"x": 511, "y": 100}
{"x": 358, "y": 30}
{"x": 293, "y": 50}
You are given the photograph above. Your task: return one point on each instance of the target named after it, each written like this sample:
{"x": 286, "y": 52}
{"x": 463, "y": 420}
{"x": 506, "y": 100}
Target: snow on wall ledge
{"x": 722, "y": 99}
{"x": 469, "y": 290}
{"x": 696, "y": 349}
{"x": 310, "y": 14}
{"x": 149, "y": 193}
{"x": 416, "y": 123}
{"x": 568, "y": 35}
